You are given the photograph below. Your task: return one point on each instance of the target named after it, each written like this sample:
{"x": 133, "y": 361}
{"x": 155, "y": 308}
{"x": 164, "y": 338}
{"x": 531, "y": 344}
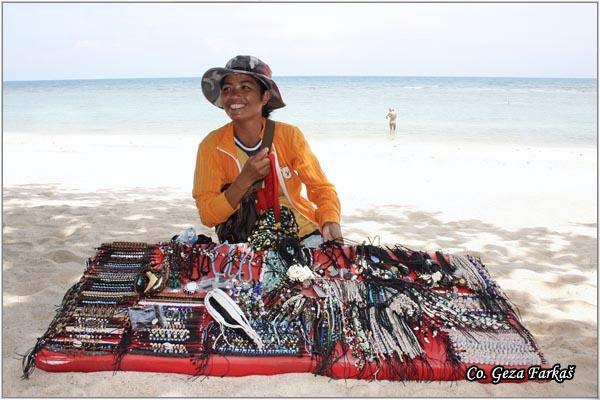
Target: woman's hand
{"x": 332, "y": 231}
{"x": 256, "y": 168}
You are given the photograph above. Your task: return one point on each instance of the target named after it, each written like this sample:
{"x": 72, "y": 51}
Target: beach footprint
{"x": 65, "y": 256}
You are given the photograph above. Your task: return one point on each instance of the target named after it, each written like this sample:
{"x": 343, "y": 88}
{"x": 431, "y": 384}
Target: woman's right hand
{"x": 256, "y": 168}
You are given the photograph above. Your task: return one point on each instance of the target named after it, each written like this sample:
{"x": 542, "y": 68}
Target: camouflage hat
{"x": 211, "y": 80}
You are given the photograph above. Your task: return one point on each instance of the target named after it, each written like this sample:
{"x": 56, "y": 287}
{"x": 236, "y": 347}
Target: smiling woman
{"x": 242, "y": 95}
{"x": 252, "y": 165}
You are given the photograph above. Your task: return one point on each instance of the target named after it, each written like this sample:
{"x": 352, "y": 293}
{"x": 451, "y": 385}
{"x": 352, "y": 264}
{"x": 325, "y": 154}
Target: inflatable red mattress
{"x": 360, "y": 311}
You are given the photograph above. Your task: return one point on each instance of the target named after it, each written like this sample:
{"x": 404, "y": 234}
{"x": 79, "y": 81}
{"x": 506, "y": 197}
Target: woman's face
{"x": 241, "y": 98}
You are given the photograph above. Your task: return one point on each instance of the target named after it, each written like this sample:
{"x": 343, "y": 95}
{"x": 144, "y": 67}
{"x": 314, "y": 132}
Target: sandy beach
{"x": 528, "y": 211}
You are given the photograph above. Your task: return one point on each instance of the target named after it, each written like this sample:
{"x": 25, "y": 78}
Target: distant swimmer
{"x": 392, "y": 115}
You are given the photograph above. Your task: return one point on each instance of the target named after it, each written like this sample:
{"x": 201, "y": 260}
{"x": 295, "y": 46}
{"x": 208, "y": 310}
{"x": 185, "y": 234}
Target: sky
{"x": 144, "y": 40}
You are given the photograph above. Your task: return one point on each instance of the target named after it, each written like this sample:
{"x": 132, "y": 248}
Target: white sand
{"x": 528, "y": 211}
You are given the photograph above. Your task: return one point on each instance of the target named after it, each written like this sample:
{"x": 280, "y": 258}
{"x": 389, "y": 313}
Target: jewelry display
{"x": 378, "y": 310}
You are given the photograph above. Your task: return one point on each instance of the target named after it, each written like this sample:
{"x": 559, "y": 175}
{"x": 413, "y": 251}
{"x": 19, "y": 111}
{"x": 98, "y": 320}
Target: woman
{"x": 229, "y": 155}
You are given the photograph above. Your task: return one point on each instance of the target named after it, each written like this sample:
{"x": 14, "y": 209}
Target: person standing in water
{"x": 392, "y": 115}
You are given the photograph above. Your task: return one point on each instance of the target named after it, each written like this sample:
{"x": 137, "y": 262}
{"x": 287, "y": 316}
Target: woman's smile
{"x": 241, "y": 96}
{"x": 236, "y": 107}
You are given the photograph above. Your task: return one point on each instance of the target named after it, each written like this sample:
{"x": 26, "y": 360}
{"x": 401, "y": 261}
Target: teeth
{"x": 236, "y": 106}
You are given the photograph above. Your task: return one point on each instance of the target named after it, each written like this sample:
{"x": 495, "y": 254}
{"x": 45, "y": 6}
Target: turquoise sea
{"x": 519, "y": 110}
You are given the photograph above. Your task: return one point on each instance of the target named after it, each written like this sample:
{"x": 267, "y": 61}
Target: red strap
{"x": 268, "y": 195}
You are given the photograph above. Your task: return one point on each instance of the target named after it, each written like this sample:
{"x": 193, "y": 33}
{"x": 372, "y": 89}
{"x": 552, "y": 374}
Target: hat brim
{"x": 211, "y": 81}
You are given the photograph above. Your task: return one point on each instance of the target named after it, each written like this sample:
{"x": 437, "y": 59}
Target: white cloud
{"x": 395, "y": 39}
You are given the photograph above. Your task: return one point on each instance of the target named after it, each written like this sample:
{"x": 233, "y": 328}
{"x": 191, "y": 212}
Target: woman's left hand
{"x": 332, "y": 231}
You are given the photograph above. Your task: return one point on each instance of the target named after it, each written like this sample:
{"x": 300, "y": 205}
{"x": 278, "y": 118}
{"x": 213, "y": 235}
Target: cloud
{"x": 89, "y": 44}
{"x": 301, "y": 38}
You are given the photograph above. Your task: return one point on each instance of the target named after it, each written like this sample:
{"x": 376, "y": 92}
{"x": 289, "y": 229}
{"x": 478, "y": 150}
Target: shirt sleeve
{"x": 212, "y": 204}
{"x": 318, "y": 188}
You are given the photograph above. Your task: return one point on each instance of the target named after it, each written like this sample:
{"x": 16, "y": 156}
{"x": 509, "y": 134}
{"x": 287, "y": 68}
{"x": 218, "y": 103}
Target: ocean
{"x": 518, "y": 110}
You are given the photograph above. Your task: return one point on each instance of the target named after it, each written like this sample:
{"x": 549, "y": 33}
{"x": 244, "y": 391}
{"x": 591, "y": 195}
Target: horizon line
{"x": 307, "y": 76}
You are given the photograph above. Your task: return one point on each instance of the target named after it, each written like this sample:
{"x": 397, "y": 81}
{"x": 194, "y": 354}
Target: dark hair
{"x": 266, "y": 110}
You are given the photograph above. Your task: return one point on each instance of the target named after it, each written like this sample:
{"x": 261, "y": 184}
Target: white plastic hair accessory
{"x": 227, "y": 313}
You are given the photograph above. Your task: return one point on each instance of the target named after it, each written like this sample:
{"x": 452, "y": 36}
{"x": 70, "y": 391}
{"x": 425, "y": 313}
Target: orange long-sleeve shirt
{"x": 217, "y": 163}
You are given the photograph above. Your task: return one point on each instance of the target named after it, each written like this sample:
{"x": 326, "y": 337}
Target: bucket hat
{"x": 250, "y": 65}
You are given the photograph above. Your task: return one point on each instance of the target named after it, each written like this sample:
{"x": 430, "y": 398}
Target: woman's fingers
{"x": 257, "y": 166}
{"x": 262, "y": 167}
{"x": 332, "y": 231}
{"x": 264, "y": 163}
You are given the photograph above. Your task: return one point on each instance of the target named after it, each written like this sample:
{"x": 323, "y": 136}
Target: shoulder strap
{"x": 267, "y": 141}
{"x": 269, "y": 133}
